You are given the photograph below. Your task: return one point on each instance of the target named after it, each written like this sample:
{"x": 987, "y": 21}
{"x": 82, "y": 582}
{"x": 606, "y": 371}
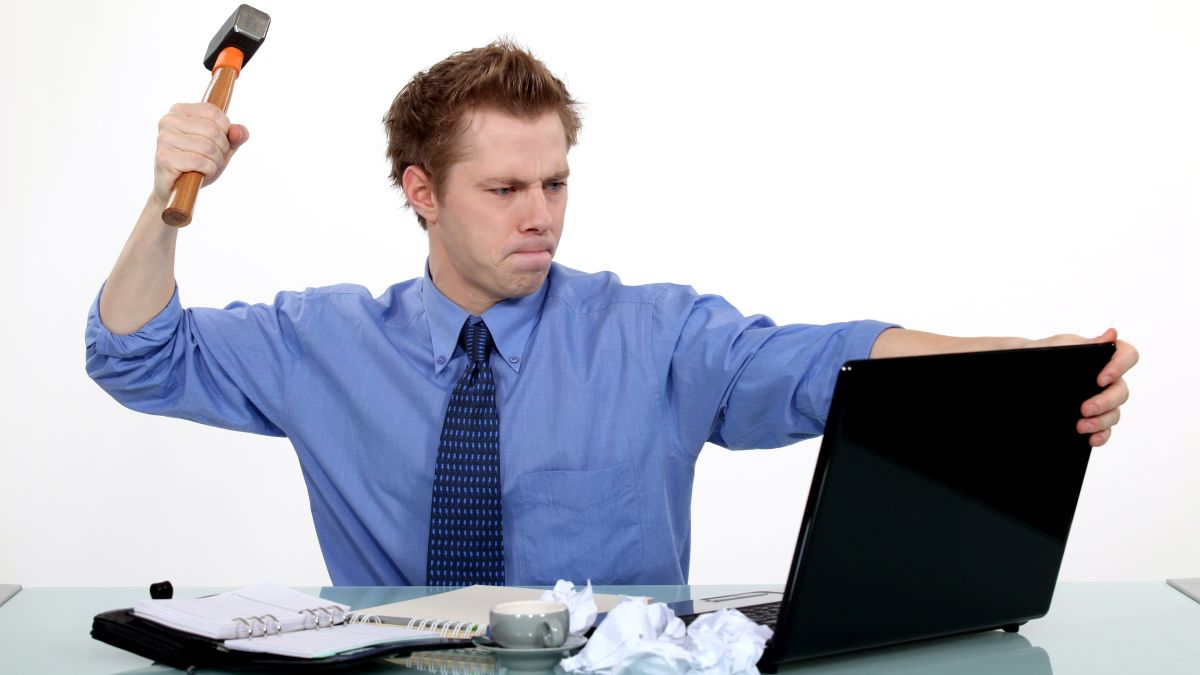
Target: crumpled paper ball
{"x": 580, "y": 604}
{"x": 640, "y": 639}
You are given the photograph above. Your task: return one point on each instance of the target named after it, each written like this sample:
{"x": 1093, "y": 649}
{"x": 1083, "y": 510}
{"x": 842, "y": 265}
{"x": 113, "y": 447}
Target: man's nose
{"x": 536, "y": 216}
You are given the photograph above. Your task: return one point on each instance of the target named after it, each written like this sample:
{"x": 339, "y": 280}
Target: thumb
{"x": 1109, "y": 335}
{"x": 238, "y": 134}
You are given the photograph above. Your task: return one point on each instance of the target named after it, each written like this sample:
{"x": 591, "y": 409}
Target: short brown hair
{"x": 432, "y": 111}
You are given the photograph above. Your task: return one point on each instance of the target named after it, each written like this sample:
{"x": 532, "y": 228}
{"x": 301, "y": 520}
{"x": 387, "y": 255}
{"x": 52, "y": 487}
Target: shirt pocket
{"x": 580, "y": 525}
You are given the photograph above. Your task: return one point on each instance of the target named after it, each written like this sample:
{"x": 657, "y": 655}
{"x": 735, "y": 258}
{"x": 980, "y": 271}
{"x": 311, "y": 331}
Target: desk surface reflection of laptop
{"x": 940, "y": 503}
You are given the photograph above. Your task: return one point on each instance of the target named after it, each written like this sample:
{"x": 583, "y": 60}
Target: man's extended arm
{"x": 1100, "y": 413}
{"x": 191, "y": 137}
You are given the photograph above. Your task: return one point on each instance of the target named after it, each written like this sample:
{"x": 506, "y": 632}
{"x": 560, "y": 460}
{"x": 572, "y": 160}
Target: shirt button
{"x": 441, "y": 359}
{"x": 514, "y": 359}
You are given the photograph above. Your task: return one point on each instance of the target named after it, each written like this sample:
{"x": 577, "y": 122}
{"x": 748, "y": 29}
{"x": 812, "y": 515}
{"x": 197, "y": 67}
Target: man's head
{"x": 429, "y": 116}
{"x": 479, "y": 145}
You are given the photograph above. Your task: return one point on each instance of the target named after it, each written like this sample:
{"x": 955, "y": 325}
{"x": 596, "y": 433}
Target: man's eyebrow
{"x": 517, "y": 182}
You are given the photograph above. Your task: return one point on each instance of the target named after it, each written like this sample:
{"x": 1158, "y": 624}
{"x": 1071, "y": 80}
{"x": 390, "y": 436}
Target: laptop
{"x": 940, "y": 503}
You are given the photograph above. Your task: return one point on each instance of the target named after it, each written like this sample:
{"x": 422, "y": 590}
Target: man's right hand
{"x": 194, "y": 137}
{"x": 191, "y": 137}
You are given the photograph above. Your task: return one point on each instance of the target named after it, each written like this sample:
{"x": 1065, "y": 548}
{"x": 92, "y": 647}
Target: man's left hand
{"x": 1102, "y": 411}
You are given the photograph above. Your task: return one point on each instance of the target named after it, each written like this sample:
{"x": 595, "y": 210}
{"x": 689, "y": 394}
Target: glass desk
{"x": 1092, "y": 627}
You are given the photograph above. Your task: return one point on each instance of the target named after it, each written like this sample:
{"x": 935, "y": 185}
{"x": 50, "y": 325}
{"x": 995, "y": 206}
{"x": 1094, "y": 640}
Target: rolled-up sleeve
{"x": 744, "y": 382}
{"x": 227, "y": 368}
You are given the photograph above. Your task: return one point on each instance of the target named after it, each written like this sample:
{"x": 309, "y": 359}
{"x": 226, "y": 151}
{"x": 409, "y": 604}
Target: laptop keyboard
{"x": 764, "y": 614}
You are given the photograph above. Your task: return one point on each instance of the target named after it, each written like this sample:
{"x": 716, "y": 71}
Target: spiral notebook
{"x": 460, "y": 613}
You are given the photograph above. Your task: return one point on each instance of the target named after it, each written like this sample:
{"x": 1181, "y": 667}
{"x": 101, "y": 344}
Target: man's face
{"x": 497, "y": 219}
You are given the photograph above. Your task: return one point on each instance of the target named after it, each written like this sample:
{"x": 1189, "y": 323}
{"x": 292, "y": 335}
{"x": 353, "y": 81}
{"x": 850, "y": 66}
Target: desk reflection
{"x": 993, "y": 653}
{"x": 979, "y": 654}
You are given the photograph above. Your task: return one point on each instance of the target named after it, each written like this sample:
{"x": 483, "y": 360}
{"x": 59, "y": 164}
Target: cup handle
{"x": 553, "y": 635}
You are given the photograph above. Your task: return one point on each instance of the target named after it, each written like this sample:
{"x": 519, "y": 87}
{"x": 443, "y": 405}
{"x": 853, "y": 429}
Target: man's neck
{"x": 472, "y": 303}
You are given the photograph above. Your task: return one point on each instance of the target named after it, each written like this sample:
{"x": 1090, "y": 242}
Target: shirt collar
{"x": 509, "y": 321}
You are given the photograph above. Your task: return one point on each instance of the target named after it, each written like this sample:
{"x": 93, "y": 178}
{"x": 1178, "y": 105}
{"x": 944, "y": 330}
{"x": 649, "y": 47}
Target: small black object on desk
{"x": 163, "y": 590}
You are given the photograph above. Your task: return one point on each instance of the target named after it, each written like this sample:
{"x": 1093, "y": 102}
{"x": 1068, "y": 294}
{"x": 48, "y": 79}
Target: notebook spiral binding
{"x": 364, "y": 618}
{"x": 461, "y": 630}
{"x": 257, "y": 626}
{"x": 447, "y": 629}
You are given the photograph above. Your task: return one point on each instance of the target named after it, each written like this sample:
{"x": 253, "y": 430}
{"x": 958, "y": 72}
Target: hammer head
{"x": 245, "y": 29}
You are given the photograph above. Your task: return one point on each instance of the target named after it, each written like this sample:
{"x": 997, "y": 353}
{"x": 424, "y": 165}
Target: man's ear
{"x": 418, "y": 188}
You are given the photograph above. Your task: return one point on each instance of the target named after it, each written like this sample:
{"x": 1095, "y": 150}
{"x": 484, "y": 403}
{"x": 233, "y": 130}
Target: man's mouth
{"x": 533, "y": 249}
{"x": 531, "y": 259}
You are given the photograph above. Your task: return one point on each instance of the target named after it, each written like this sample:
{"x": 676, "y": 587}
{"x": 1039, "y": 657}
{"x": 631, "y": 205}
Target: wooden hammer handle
{"x": 183, "y": 195}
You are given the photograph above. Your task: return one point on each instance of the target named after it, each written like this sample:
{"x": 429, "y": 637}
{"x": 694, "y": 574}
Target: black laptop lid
{"x": 942, "y": 498}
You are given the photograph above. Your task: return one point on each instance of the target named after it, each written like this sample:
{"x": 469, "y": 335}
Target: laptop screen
{"x": 942, "y": 498}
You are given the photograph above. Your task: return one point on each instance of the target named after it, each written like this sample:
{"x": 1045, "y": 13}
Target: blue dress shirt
{"x": 606, "y": 393}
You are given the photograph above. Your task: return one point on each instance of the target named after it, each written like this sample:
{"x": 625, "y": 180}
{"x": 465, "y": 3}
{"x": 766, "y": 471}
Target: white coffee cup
{"x": 529, "y": 624}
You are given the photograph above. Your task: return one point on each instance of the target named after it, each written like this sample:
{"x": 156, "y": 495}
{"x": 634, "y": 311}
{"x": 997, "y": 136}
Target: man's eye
{"x": 555, "y": 187}
{"x": 503, "y": 191}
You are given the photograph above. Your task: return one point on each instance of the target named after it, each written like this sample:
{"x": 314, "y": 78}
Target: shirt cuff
{"x": 860, "y": 339}
{"x": 144, "y": 340}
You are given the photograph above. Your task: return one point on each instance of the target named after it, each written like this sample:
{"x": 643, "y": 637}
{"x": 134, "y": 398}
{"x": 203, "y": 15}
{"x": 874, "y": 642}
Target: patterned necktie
{"x": 466, "y": 537}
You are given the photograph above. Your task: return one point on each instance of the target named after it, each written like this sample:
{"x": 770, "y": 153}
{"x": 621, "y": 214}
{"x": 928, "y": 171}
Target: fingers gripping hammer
{"x": 228, "y": 52}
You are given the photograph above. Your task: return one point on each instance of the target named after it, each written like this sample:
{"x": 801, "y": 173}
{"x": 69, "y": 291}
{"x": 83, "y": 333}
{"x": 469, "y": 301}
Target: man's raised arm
{"x": 191, "y": 137}
{"x": 1099, "y": 413}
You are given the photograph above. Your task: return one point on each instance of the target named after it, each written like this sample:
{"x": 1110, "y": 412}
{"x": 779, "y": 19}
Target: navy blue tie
{"x": 466, "y": 535}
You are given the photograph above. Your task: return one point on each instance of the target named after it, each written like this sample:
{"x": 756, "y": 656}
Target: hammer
{"x": 230, "y": 49}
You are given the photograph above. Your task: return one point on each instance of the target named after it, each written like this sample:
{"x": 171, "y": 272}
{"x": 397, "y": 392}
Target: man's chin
{"x": 527, "y": 282}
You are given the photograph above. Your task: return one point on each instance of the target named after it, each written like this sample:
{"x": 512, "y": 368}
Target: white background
{"x": 1022, "y": 168}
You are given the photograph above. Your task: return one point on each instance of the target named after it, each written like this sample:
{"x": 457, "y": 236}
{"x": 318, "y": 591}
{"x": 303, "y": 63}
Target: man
{"x": 502, "y": 418}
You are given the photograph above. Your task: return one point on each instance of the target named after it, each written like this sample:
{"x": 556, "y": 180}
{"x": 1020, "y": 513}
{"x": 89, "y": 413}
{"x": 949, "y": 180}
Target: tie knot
{"x": 476, "y": 341}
